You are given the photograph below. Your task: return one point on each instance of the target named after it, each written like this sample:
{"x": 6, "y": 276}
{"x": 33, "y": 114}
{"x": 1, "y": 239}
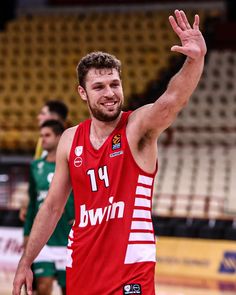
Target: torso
{"x": 113, "y": 234}
{"x": 42, "y": 172}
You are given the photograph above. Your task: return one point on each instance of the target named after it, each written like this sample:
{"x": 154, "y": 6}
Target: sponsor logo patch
{"x": 78, "y": 162}
{"x": 228, "y": 263}
{"x": 132, "y": 289}
{"x": 116, "y": 142}
{"x": 116, "y": 154}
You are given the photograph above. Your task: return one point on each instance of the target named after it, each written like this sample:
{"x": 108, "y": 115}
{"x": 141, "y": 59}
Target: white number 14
{"x": 102, "y": 175}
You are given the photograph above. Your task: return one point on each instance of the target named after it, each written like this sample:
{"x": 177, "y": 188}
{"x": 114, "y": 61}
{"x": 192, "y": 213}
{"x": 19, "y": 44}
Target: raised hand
{"x": 193, "y": 43}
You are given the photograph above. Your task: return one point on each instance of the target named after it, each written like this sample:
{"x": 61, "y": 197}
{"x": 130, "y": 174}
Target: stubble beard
{"x": 105, "y": 117}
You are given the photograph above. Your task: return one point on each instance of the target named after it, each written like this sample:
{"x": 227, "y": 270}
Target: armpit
{"x": 144, "y": 140}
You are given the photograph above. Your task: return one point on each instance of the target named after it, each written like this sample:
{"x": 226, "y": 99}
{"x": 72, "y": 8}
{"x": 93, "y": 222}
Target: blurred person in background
{"x": 51, "y": 261}
{"x": 52, "y": 109}
{"x": 110, "y": 161}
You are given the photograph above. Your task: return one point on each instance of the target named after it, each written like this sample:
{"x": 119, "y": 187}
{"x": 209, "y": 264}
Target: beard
{"x": 103, "y": 116}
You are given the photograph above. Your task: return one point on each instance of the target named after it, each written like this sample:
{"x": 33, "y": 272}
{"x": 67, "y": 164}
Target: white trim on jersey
{"x": 69, "y": 259}
{"x": 145, "y": 214}
{"x": 141, "y": 237}
{"x": 141, "y": 225}
{"x": 142, "y": 202}
{"x": 145, "y": 180}
{"x": 145, "y": 191}
{"x": 140, "y": 253}
{"x": 141, "y": 244}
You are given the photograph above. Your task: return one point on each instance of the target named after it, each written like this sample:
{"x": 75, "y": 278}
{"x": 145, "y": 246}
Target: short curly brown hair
{"x": 97, "y": 60}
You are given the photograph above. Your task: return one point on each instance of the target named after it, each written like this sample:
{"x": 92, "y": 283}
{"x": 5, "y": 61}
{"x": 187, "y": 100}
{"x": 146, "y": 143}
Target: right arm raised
{"x": 48, "y": 215}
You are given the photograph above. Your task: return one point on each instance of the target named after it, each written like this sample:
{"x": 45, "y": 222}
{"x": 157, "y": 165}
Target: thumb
{"x": 179, "y": 49}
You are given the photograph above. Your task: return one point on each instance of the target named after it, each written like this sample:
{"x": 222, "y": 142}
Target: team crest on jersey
{"x": 49, "y": 177}
{"x": 116, "y": 142}
{"x": 40, "y": 167}
{"x": 79, "y": 150}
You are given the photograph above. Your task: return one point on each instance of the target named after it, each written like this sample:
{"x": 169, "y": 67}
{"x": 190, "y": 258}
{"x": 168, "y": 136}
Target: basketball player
{"x": 52, "y": 109}
{"x": 51, "y": 262}
{"x": 110, "y": 161}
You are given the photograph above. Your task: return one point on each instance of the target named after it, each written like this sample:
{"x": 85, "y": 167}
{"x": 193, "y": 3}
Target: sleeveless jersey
{"x": 41, "y": 174}
{"x": 111, "y": 249}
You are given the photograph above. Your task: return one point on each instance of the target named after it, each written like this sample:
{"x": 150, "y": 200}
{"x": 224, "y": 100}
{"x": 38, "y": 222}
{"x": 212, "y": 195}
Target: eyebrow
{"x": 100, "y": 83}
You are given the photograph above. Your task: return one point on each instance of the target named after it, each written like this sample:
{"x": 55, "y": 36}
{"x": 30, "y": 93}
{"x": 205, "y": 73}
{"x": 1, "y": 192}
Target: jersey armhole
{"x": 73, "y": 142}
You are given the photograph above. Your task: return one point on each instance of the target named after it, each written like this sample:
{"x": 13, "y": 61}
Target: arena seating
{"x": 195, "y": 181}
{"x": 197, "y": 169}
{"x": 39, "y": 54}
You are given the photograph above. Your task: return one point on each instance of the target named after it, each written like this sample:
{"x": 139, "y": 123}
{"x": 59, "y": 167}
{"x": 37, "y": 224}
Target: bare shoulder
{"x": 70, "y": 132}
{"x": 66, "y": 140}
{"x": 136, "y": 123}
{"x": 142, "y": 139}
{"x": 138, "y": 114}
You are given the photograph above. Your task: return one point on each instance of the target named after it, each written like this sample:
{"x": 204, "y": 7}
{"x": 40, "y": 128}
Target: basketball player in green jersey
{"x": 52, "y": 109}
{"x": 51, "y": 261}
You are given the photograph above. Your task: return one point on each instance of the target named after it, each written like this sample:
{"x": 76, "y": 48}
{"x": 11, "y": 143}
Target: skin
{"x": 143, "y": 129}
{"x": 49, "y": 143}
{"x": 45, "y": 115}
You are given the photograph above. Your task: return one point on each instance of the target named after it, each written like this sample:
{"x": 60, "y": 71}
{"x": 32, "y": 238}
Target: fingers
{"x": 29, "y": 291}
{"x": 23, "y": 281}
{"x": 29, "y": 280}
{"x": 185, "y": 20}
{"x": 196, "y": 22}
{"x": 16, "y": 289}
{"x": 180, "y": 22}
{"x": 174, "y": 25}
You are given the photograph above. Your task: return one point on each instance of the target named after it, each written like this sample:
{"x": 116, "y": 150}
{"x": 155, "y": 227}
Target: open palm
{"x": 193, "y": 43}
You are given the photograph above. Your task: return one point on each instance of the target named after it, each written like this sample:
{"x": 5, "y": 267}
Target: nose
{"x": 39, "y": 117}
{"x": 108, "y": 92}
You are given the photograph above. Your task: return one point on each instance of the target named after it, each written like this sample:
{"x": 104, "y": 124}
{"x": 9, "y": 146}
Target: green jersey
{"x": 41, "y": 174}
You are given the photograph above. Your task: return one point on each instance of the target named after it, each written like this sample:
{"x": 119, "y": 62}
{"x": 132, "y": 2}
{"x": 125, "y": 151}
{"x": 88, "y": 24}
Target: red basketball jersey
{"x": 111, "y": 248}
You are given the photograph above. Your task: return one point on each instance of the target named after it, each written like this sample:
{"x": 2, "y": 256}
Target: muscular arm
{"x": 47, "y": 217}
{"x": 146, "y": 123}
{"x": 158, "y": 116}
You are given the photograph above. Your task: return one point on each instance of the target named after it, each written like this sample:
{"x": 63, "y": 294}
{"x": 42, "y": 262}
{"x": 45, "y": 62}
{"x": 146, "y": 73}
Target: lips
{"x": 109, "y": 104}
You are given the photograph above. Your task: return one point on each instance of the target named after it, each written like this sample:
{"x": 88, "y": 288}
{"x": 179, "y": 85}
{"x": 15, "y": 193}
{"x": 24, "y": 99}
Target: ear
{"x": 82, "y": 93}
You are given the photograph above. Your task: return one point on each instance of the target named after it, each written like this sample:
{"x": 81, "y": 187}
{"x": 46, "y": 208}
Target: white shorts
{"x": 55, "y": 254}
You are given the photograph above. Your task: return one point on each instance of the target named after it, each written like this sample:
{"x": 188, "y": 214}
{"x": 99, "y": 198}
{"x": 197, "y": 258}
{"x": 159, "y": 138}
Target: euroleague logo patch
{"x": 116, "y": 142}
{"x": 132, "y": 289}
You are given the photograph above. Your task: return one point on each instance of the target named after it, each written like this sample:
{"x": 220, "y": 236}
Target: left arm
{"x": 155, "y": 118}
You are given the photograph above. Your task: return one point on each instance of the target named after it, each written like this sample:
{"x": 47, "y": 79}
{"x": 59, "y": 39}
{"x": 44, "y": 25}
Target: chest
{"x": 97, "y": 168}
{"x": 43, "y": 175}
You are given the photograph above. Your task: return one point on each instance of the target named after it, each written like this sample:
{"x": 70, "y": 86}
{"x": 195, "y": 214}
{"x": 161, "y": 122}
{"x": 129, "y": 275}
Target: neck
{"x": 51, "y": 156}
{"x": 99, "y": 131}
